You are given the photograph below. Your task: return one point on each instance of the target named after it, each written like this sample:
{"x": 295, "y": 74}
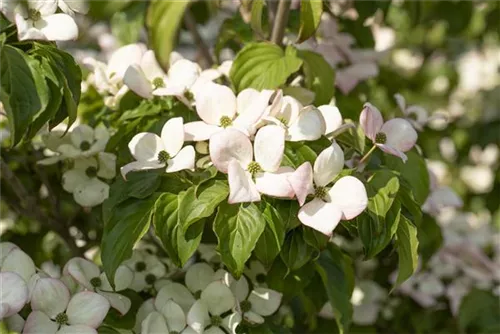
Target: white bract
{"x": 13, "y": 259}
{"x": 147, "y": 268}
{"x": 152, "y": 151}
{"x": 395, "y": 136}
{"x": 54, "y": 310}
{"x": 14, "y": 294}
{"x": 89, "y": 276}
{"x": 39, "y": 20}
{"x": 219, "y": 108}
{"x": 71, "y": 7}
{"x": 345, "y": 200}
{"x": 83, "y": 179}
{"x": 416, "y": 115}
{"x": 231, "y": 152}
{"x": 440, "y": 196}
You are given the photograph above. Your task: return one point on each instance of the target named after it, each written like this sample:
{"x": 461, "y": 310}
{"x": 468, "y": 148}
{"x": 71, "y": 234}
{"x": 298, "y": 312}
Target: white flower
{"x": 15, "y": 323}
{"x": 88, "y": 275}
{"x": 367, "y": 299}
{"x": 395, "y": 136}
{"x": 153, "y": 152}
{"x": 13, "y": 259}
{"x": 144, "y": 78}
{"x": 205, "y": 316}
{"x": 147, "y": 268}
{"x": 345, "y": 200}
{"x": 55, "y": 311}
{"x": 479, "y": 179}
{"x": 14, "y": 294}
{"x": 71, "y": 7}
{"x": 38, "y": 20}
{"x": 416, "y": 115}
{"x": 257, "y": 273}
{"x": 198, "y": 277}
{"x": 219, "y": 108}
{"x": 51, "y": 269}
{"x": 231, "y": 152}
{"x": 83, "y": 179}
{"x": 440, "y": 196}
{"x": 208, "y": 253}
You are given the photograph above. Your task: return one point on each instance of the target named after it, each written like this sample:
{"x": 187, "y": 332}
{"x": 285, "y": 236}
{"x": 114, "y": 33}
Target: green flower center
{"x": 216, "y": 321}
{"x": 188, "y": 95}
{"x": 320, "y": 192}
{"x": 260, "y": 278}
{"x": 163, "y": 157}
{"x": 96, "y": 282}
{"x": 245, "y": 306}
{"x": 158, "y": 82}
{"x": 140, "y": 266}
{"x": 34, "y": 15}
{"x": 85, "y": 145}
{"x": 150, "y": 279}
{"x": 254, "y": 167}
{"x": 91, "y": 172}
{"x": 225, "y": 121}
{"x": 62, "y": 318}
{"x": 380, "y": 138}
{"x": 283, "y": 120}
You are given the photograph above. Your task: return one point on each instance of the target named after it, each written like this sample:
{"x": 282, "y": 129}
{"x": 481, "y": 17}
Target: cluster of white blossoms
{"x": 82, "y": 148}
{"x": 39, "y": 19}
{"x": 78, "y": 298}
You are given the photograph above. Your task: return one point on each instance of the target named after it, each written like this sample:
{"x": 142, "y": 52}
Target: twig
{"x": 198, "y": 40}
{"x": 280, "y": 21}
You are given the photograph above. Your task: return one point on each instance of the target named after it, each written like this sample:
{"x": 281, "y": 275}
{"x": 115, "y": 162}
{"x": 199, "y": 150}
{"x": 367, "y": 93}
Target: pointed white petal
{"x": 117, "y": 301}
{"x": 183, "y": 160}
{"x": 107, "y": 165}
{"x": 123, "y": 278}
{"x": 214, "y": 102}
{"x": 136, "y": 80}
{"x": 50, "y": 296}
{"x": 145, "y": 146}
{"x": 393, "y": 151}
{"x": 269, "y": 146}
{"x": 172, "y": 135}
{"x": 328, "y": 165}
{"x": 231, "y": 321}
{"x": 321, "y": 216}
{"x": 349, "y": 194}
{"x": 184, "y": 73}
{"x": 178, "y": 293}
{"x": 302, "y": 182}
{"x": 13, "y": 294}
{"x": 15, "y": 323}
{"x": 76, "y": 329}
{"x": 58, "y": 27}
{"x": 239, "y": 287}
{"x": 289, "y": 110}
{"x": 227, "y": 145}
{"x": 309, "y": 125}
{"x": 275, "y": 184}
{"x": 173, "y": 313}
{"x": 198, "y": 276}
{"x": 241, "y": 186}
{"x": 401, "y": 102}
{"x": 245, "y": 98}
{"x": 38, "y": 322}
{"x": 199, "y": 131}
{"x": 45, "y": 8}
{"x": 82, "y": 133}
{"x": 122, "y": 58}
{"x": 198, "y": 317}
{"x": 150, "y": 66}
{"x": 91, "y": 193}
{"x": 371, "y": 120}
{"x": 218, "y": 298}
{"x": 19, "y": 262}
{"x": 144, "y": 310}
{"x": 265, "y": 301}
{"x": 139, "y": 165}
{"x": 153, "y": 324}
{"x": 400, "y": 134}
{"x": 87, "y": 308}
{"x": 72, "y": 178}
{"x": 82, "y": 271}
{"x": 332, "y": 117}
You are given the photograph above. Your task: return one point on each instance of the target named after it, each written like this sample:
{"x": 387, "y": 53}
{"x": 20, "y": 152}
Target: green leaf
{"x": 263, "y": 66}
{"x": 201, "y": 201}
{"x": 179, "y": 245}
{"x": 163, "y": 21}
{"x": 270, "y": 241}
{"x": 296, "y": 153}
{"x": 319, "y": 76}
{"x": 127, "y": 25}
{"x": 126, "y": 226}
{"x": 382, "y": 189}
{"x": 233, "y": 34}
{"x": 414, "y": 171}
{"x": 429, "y": 238}
{"x": 337, "y": 273}
{"x": 126, "y": 321}
{"x": 290, "y": 283}
{"x": 24, "y": 91}
{"x": 256, "y": 20}
{"x": 315, "y": 239}
{"x": 407, "y": 246}
{"x": 310, "y": 17}
{"x": 405, "y": 196}
{"x": 479, "y": 313}
{"x": 238, "y": 227}
{"x": 296, "y": 252}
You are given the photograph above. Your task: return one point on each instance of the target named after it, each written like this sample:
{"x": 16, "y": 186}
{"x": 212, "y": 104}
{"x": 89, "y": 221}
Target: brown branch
{"x": 280, "y": 21}
{"x": 190, "y": 22}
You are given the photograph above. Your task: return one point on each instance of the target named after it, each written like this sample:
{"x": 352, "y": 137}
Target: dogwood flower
{"x": 147, "y": 268}
{"x": 345, "y": 200}
{"x": 152, "y": 151}
{"x": 13, "y": 259}
{"x": 219, "y": 108}
{"x": 257, "y": 273}
{"x": 54, "y": 310}
{"x": 83, "y": 179}
{"x": 71, "y": 7}
{"x": 39, "y": 20}
{"x": 231, "y": 152}
{"x": 416, "y": 115}
{"x": 89, "y": 276}
{"x": 440, "y": 196}
{"x": 205, "y": 316}
{"x": 13, "y": 294}
{"x": 395, "y": 136}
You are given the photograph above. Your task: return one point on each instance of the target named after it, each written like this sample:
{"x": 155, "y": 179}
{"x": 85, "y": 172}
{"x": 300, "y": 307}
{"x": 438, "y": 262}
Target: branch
{"x": 198, "y": 40}
{"x": 29, "y": 207}
{"x": 280, "y": 21}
